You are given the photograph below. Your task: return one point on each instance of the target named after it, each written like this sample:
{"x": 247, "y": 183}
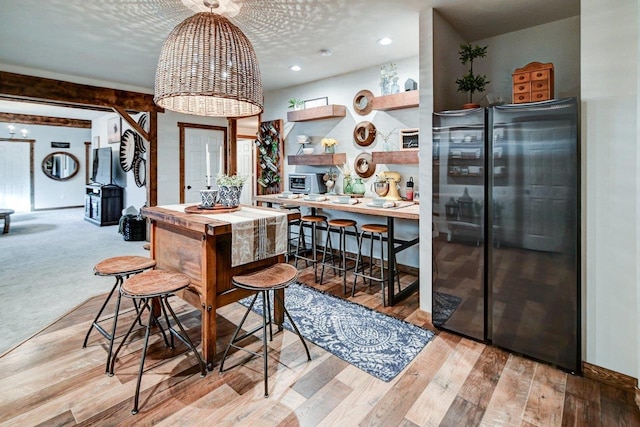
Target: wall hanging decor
{"x": 270, "y": 154}
{"x": 363, "y": 102}
{"x": 364, "y": 133}
{"x": 364, "y": 166}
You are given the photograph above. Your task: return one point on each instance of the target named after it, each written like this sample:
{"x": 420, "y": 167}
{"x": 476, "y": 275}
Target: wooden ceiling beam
{"x": 143, "y": 133}
{"x": 23, "y": 87}
{"x": 27, "y": 119}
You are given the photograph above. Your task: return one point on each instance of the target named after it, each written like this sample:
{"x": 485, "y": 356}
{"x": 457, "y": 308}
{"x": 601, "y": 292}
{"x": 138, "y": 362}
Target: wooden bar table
{"x": 200, "y": 246}
{"x": 405, "y": 210}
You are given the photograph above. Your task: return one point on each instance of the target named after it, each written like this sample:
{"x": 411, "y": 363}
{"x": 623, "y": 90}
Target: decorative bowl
{"x": 308, "y": 150}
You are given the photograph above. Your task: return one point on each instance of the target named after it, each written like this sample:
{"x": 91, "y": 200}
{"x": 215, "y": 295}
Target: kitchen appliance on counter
{"x": 393, "y": 178}
{"x": 307, "y": 183}
{"x": 507, "y": 241}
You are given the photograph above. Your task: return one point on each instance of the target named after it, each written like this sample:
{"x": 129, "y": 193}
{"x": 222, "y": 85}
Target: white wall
{"x": 446, "y": 43}
{"x": 48, "y": 193}
{"x": 341, "y": 90}
{"x": 428, "y": 66}
{"x": 556, "y": 42}
{"x": 609, "y": 58}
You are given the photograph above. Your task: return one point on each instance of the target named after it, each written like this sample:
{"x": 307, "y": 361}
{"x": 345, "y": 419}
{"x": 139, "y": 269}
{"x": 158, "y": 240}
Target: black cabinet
{"x": 103, "y": 204}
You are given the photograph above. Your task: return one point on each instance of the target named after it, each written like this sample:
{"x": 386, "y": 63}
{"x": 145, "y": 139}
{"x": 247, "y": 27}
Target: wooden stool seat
{"x": 342, "y": 223}
{"x": 148, "y": 286}
{"x": 375, "y": 228}
{"x": 275, "y": 277}
{"x": 123, "y": 265}
{"x": 154, "y": 283}
{"x": 120, "y": 267}
{"x": 272, "y": 278}
{"x": 313, "y": 218}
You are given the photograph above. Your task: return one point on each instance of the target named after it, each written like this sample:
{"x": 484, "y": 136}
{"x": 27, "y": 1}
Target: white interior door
{"x": 15, "y": 179}
{"x": 195, "y": 163}
{"x": 245, "y": 167}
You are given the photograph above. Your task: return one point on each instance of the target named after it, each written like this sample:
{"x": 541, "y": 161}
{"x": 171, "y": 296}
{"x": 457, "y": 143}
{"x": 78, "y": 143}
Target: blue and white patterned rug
{"x": 376, "y": 343}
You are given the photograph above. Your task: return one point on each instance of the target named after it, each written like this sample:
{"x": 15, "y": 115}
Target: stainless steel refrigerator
{"x": 506, "y": 228}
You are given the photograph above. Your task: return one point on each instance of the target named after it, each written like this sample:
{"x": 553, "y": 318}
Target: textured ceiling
{"x": 118, "y": 41}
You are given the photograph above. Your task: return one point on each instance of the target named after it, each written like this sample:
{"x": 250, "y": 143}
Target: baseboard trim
{"x": 612, "y": 378}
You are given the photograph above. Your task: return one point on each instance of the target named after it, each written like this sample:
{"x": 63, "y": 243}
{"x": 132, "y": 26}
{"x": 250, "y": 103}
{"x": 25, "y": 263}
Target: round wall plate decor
{"x": 363, "y": 102}
{"x": 364, "y": 166}
{"x": 140, "y": 171}
{"x": 127, "y": 150}
{"x": 364, "y": 133}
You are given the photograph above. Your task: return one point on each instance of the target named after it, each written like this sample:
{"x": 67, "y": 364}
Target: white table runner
{"x": 255, "y": 233}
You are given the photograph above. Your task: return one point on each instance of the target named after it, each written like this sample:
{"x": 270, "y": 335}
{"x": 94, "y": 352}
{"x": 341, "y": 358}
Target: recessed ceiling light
{"x": 295, "y": 68}
{"x": 385, "y": 41}
{"x": 326, "y": 52}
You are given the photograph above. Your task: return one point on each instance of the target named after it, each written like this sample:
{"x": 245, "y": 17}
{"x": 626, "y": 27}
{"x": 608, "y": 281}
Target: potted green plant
{"x": 230, "y": 188}
{"x": 471, "y": 82}
{"x": 296, "y": 104}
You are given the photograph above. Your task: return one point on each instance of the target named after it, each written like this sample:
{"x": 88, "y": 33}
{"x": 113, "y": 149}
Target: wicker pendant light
{"x": 208, "y": 67}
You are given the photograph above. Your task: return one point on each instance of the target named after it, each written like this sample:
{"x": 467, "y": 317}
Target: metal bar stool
{"x": 145, "y": 287}
{"x": 312, "y": 220}
{"x": 273, "y": 278}
{"x": 370, "y": 230}
{"x": 121, "y": 267}
{"x": 292, "y": 236}
{"x": 338, "y": 226}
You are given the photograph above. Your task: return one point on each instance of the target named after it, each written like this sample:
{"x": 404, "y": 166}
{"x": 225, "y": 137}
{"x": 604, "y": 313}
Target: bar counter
{"x": 406, "y": 210}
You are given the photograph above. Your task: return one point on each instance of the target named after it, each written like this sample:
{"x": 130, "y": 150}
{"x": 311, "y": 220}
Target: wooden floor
{"x": 50, "y": 380}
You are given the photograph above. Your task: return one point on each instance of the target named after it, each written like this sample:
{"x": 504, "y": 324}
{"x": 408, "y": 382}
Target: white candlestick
{"x": 208, "y": 167}
{"x": 221, "y": 161}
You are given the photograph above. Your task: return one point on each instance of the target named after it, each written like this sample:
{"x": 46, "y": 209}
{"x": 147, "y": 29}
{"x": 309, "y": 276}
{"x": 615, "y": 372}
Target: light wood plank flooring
{"x": 50, "y": 380}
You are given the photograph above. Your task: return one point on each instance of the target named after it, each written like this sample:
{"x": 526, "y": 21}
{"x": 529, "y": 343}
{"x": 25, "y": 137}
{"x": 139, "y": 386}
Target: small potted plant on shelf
{"x": 329, "y": 145}
{"x": 230, "y": 188}
{"x": 296, "y": 104}
{"x": 471, "y": 82}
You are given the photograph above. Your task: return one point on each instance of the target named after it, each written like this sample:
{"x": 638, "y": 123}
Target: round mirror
{"x": 363, "y": 102}
{"x": 364, "y": 133}
{"x": 60, "y": 166}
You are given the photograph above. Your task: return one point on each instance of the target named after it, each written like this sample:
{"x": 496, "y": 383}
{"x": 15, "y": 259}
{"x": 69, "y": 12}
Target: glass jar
{"x": 395, "y": 87}
{"x": 347, "y": 187}
{"x": 358, "y": 186}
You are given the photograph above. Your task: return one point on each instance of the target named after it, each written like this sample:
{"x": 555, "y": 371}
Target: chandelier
{"x": 208, "y": 67}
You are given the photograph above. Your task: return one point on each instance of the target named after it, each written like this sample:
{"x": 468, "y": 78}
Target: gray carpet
{"x": 46, "y": 268}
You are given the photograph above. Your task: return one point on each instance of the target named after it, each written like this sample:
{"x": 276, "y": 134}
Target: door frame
{"x": 183, "y": 127}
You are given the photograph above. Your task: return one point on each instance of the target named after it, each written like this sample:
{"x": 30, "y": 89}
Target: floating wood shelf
{"x": 317, "y": 113}
{"x": 402, "y": 157}
{"x": 397, "y": 101}
{"x": 318, "y": 159}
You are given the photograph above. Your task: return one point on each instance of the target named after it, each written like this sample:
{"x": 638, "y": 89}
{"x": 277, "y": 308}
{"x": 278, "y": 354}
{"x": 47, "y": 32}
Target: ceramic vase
{"x": 229, "y": 195}
{"x": 208, "y": 198}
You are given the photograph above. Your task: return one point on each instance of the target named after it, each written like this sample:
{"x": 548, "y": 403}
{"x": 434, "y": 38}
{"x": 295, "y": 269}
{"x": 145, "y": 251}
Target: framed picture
{"x": 409, "y": 139}
{"x": 316, "y": 102}
{"x": 114, "y": 130}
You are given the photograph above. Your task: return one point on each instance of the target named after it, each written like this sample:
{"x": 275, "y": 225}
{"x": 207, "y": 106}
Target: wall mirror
{"x": 60, "y": 166}
{"x": 364, "y": 133}
{"x": 363, "y": 102}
